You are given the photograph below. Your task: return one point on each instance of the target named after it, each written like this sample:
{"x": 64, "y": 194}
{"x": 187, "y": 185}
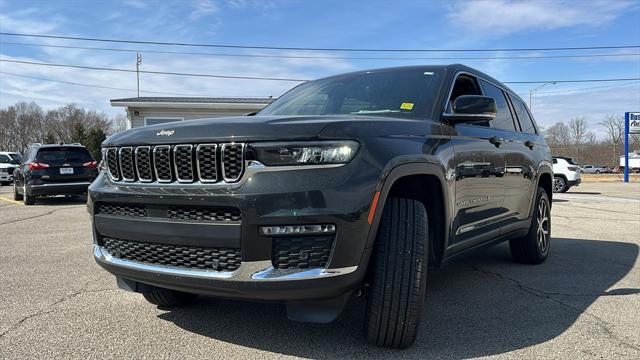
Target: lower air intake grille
{"x": 301, "y": 252}
{"x": 203, "y": 214}
{"x": 218, "y": 259}
{"x": 121, "y": 209}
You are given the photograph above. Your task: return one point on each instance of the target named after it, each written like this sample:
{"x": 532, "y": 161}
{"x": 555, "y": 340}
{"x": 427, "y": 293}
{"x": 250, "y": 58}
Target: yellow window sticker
{"x": 406, "y": 106}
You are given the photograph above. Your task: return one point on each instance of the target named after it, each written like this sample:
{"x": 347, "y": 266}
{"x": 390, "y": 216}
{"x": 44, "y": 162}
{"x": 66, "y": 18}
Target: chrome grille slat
{"x": 232, "y": 161}
{"x": 144, "y": 168}
{"x": 162, "y": 163}
{"x": 112, "y": 164}
{"x": 127, "y": 170}
{"x": 206, "y": 162}
{"x": 182, "y": 163}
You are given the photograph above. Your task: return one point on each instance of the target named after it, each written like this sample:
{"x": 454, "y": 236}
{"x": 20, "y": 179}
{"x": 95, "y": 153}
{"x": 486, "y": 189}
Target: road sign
{"x": 634, "y": 123}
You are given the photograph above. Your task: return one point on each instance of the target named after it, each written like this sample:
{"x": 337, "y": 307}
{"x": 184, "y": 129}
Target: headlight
{"x": 312, "y": 153}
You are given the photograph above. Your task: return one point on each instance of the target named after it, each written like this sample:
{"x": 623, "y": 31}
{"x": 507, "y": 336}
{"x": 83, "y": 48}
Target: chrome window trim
{"x": 155, "y": 168}
{"x": 175, "y": 163}
{"x": 132, "y": 164}
{"x": 150, "y": 163}
{"x": 242, "y": 161}
{"x": 113, "y": 178}
{"x": 215, "y": 157}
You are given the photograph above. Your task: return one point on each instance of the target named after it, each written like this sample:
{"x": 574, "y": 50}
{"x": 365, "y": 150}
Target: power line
{"x": 151, "y": 72}
{"x": 94, "y": 85}
{"x": 274, "y": 79}
{"x": 580, "y": 89}
{"x": 524, "y": 57}
{"x": 257, "y": 47}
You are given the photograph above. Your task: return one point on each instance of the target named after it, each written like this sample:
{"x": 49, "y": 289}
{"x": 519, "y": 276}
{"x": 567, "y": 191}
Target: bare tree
{"x": 559, "y": 138}
{"x": 119, "y": 123}
{"x": 614, "y": 126}
{"x": 578, "y": 127}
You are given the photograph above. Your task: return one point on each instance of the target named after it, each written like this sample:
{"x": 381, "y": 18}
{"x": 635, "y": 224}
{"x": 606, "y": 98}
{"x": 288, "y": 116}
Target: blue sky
{"x": 321, "y": 24}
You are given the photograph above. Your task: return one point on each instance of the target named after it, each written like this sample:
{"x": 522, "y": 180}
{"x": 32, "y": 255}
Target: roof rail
{"x": 36, "y": 144}
{"x": 76, "y": 144}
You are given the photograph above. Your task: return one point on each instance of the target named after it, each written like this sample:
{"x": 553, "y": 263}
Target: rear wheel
{"x": 16, "y": 195}
{"x": 26, "y": 198}
{"x": 559, "y": 184}
{"x": 399, "y": 274}
{"x": 534, "y": 248}
{"x": 168, "y": 298}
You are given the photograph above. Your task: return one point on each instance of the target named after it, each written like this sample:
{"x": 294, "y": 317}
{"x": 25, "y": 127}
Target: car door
{"x": 518, "y": 172}
{"x": 526, "y": 151}
{"x": 479, "y": 166}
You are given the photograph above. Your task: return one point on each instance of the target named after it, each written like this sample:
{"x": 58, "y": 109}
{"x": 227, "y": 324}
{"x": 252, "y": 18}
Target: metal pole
{"x": 626, "y": 147}
{"x": 530, "y": 108}
{"x": 138, "y": 62}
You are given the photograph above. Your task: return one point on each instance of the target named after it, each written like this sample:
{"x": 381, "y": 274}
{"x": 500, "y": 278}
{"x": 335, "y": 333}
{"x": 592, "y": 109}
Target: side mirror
{"x": 472, "y": 108}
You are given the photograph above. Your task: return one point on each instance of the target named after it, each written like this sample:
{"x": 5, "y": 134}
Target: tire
{"x": 4, "y": 183}
{"x": 399, "y": 274}
{"x": 534, "y": 248}
{"x": 28, "y": 199}
{"x": 559, "y": 184}
{"x": 16, "y": 196}
{"x": 168, "y": 298}
{"x": 598, "y": 172}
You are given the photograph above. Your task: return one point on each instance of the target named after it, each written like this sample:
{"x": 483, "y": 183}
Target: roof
{"x": 197, "y": 102}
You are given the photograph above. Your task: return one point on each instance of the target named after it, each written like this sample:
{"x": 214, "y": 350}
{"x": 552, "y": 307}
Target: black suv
{"x": 343, "y": 186}
{"x": 66, "y": 169}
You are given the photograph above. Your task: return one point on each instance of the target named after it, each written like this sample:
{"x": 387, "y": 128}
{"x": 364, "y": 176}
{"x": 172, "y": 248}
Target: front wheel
{"x": 534, "y": 248}
{"x": 399, "y": 274}
{"x": 559, "y": 184}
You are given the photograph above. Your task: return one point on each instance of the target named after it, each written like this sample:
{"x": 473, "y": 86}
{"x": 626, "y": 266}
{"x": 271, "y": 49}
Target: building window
{"x": 160, "y": 120}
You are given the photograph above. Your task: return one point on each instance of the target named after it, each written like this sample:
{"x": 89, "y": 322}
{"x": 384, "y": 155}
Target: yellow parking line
{"x": 10, "y": 200}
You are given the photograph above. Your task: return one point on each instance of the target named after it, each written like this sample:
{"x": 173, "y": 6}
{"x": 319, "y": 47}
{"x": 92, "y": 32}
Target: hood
{"x": 269, "y": 128}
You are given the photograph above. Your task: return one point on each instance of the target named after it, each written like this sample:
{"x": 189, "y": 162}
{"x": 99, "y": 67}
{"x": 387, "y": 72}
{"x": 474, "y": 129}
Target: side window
{"x": 503, "y": 119}
{"x": 555, "y": 161}
{"x": 526, "y": 123}
{"x": 464, "y": 85}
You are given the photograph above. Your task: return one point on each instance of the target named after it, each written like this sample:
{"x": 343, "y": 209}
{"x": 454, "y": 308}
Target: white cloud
{"x": 500, "y": 17}
{"x": 203, "y": 8}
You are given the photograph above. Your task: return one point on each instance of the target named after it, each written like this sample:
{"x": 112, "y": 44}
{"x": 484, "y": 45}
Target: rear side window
{"x": 555, "y": 161}
{"x": 503, "y": 119}
{"x": 523, "y": 115}
{"x": 63, "y": 155}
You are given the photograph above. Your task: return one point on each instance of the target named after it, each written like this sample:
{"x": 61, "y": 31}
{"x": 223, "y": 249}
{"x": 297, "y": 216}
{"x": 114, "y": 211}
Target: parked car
{"x": 592, "y": 169}
{"x": 8, "y": 163}
{"x": 566, "y": 174}
{"x": 351, "y": 184}
{"x": 66, "y": 169}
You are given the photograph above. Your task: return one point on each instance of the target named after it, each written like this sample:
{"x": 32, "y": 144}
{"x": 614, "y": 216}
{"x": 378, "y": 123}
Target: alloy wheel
{"x": 543, "y": 226}
{"x": 558, "y": 184}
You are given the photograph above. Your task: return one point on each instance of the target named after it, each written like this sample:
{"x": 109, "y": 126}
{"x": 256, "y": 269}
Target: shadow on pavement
{"x": 61, "y": 200}
{"x": 585, "y": 192}
{"x": 482, "y": 305}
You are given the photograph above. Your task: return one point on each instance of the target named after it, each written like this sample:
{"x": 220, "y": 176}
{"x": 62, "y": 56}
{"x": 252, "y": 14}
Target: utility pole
{"x": 138, "y": 62}
{"x": 532, "y": 91}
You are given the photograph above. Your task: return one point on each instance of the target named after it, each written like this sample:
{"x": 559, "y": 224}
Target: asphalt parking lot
{"x": 584, "y": 302}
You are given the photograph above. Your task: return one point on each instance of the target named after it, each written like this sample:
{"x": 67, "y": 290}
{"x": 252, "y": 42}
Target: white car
{"x": 592, "y": 169}
{"x": 8, "y": 162}
{"x": 566, "y": 173}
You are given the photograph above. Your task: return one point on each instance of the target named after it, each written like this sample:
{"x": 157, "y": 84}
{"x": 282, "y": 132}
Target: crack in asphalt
{"x": 35, "y": 216}
{"x": 51, "y": 307}
{"x": 549, "y": 296}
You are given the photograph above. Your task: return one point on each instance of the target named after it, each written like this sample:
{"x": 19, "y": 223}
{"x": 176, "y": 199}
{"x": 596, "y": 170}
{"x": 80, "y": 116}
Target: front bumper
{"x": 6, "y": 177}
{"x": 340, "y": 196}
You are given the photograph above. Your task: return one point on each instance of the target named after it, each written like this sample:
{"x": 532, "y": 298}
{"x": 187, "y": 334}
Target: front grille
{"x": 301, "y": 252}
{"x": 121, "y": 209}
{"x": 204, "y": 214}
{"x": 190, "y": 257}
{"x": 184, "y": 163}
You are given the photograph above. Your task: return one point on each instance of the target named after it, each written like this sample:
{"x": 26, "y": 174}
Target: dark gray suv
{"x": 352, "y": 184}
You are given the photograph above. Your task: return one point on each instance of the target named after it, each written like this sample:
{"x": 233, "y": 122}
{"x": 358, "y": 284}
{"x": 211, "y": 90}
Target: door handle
{"x": 496, "y": 141}
{"x": 529, "y": 144}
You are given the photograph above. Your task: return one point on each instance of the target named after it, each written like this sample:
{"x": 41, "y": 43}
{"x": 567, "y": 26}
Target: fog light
{"x": 322, "y": 229}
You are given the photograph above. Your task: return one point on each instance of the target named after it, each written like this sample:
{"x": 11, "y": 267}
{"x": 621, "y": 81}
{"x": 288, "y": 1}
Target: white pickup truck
{"x": 8, "y": 162}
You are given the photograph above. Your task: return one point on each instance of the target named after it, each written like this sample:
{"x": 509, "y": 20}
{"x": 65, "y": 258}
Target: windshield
{"x": 5, "y": 159}
{"x": 63, "y": 155}
{"x": 406, "y": 93}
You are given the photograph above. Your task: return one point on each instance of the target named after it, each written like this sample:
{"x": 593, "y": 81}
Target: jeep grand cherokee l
{"x": 349, "y": 184}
